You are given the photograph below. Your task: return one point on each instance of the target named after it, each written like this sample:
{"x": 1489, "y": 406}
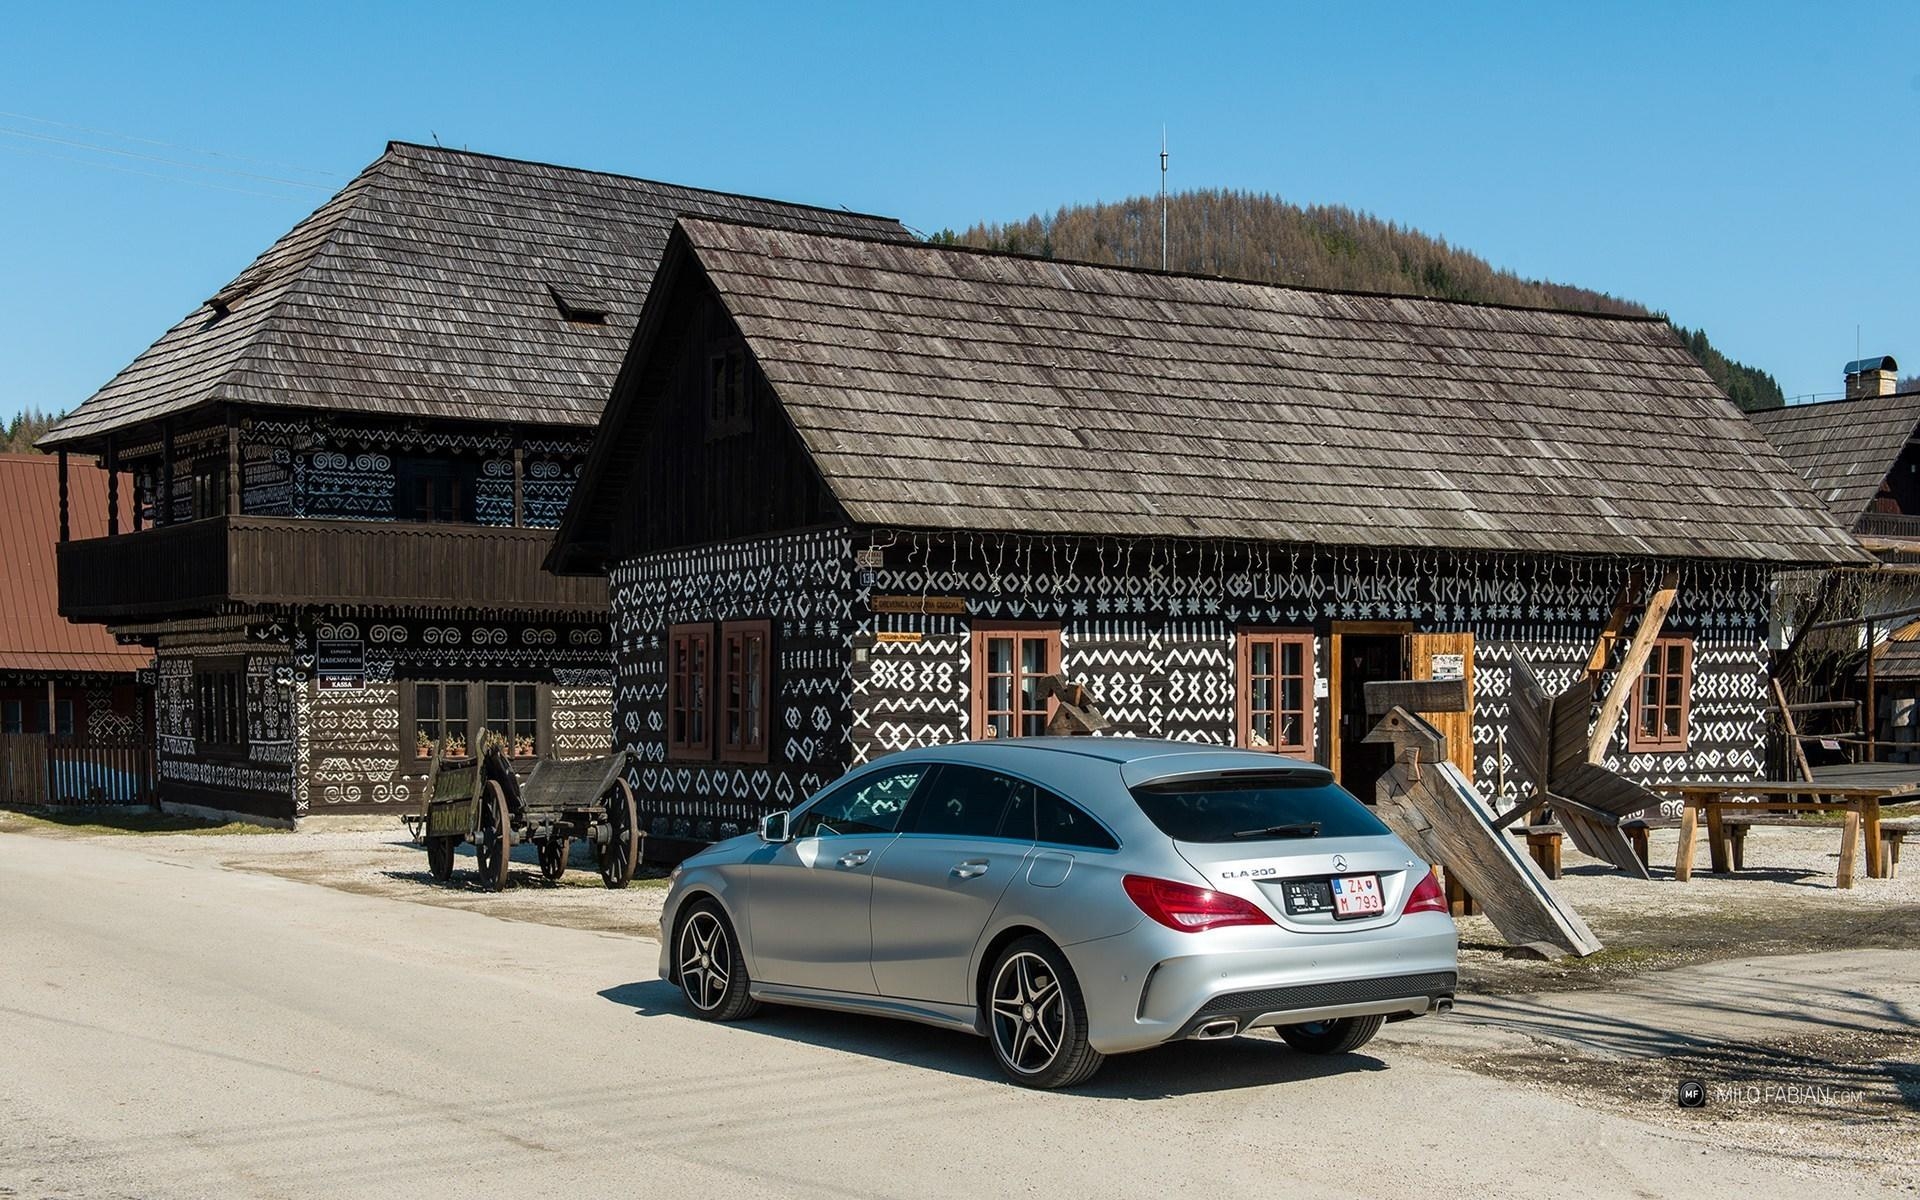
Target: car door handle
{"x": 970, "y": 869}
{"x": 855, "y": 858}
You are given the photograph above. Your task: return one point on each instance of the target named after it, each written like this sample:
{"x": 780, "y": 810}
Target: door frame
{"x": 1336, "y": 666}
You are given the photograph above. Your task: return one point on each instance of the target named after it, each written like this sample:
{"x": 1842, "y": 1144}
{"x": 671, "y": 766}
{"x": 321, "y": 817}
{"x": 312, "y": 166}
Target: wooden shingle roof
{"x": 432, "y": 286}
{"x": 1844, "y": 448}
{"x": 957, "y": 389}
{"x": 34, "y": 637}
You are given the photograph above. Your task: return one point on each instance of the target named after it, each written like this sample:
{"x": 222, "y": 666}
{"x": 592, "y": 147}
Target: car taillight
{"x": 1426, "y": 897}
{"x": 1190, "y": 909}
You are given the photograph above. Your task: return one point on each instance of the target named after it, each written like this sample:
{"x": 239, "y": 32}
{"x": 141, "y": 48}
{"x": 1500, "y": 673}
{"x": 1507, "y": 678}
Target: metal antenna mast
{"x": 1163, "y": 197}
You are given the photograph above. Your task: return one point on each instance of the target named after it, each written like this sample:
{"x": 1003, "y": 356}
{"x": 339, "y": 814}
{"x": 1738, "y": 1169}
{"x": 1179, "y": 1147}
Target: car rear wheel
{"x": 1036, "y": 1018}
{"x": 1342, "y": 1036}
{"x": 707, "y": 962}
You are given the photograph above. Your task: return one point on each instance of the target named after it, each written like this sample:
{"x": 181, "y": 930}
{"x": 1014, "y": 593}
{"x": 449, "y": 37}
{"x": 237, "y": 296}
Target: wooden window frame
{"x": 514, "y": 722}
{"x": 410, "y": 745}
{"x": 211, "y": 676}
{"x": 728, "y": 389}
{"x": 984, "y": 632}
{"x": 1660, "y": 743}
{"x": 732, "y": 634}
{"x": 679, "y": 745}
{"x": 475, "y": 692}
{"x": 1244, "y": 642}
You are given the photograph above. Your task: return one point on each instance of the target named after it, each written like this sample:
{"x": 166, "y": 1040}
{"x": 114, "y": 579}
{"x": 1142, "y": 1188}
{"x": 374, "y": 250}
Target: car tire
{"x": 708, "y": 967}
{"x": 1036, "y": 1018}
{"x": 1342, "y": 1036}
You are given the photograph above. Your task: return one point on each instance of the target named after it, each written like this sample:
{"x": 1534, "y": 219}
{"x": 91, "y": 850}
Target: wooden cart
{"x": 481, "y": 800}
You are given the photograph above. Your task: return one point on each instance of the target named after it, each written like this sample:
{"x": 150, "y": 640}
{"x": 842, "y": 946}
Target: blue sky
{"x": 1751, "y": 169}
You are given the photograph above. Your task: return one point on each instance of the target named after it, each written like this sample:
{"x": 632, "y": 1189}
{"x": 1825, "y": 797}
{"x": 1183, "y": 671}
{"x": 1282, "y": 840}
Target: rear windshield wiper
{"x": 1294, "y": 829}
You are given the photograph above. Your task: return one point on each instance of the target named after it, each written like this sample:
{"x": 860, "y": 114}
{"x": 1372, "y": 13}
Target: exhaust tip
{"x": 1213, "y": 1031}
{"x": 1443, "y": 1005}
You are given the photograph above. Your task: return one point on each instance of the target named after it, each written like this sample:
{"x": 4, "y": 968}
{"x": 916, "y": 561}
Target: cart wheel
{"x": 553, "y": 857}
{"x": 493, "y": 841}
{"x": 622, "y": 850}
{"x": 440, "y": 857}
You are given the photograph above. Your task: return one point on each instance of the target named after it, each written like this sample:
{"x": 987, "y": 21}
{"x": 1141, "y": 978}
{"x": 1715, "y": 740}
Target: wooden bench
{"x": 1737, "y": 825}
{"x": 1543, "y": 843}
{"x": 1636, "y": 831}
{"x": 1891, "y": 833}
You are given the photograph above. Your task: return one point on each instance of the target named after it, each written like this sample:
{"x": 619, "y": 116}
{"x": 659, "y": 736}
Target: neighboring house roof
{"x": 1845, "y": 448}
{"x": 946, "y": 388}
{"x": 438, "y": 283}
{"x": 1898, "y": 657}
{"x": 34, "y": 637}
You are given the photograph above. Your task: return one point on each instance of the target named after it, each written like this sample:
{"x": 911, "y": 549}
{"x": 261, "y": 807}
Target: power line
{"x": 107, "y": 166}
{"x": 155, "y": 158}
{"x": 134, "y": 137}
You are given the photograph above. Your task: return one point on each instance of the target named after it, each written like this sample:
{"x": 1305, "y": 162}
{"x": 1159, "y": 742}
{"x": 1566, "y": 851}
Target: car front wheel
{"x": 1341, "y": 1036}
{"x": 708, "y": 966}
{"x": 1036, "y": 1018}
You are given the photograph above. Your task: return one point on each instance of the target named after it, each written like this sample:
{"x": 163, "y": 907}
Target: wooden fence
{"x": 36, "y": 769}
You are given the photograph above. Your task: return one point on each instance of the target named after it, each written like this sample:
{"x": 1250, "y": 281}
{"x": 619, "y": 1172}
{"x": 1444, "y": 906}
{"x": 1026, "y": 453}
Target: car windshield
{"x": 1255, "y": 808}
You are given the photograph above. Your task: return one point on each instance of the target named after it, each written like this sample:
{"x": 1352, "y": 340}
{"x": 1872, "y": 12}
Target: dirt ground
{"x": 1785, "y": 902}
{"x": 1782, "y": 1088}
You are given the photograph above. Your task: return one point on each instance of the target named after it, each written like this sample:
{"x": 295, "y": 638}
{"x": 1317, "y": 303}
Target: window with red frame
{"x": 689, "y": 691}
{"x": 1658, "y": 720}
{"x": 1275, "y": 697}
{"x": 1008, "y": 660}
{"x": 746, "y": 667}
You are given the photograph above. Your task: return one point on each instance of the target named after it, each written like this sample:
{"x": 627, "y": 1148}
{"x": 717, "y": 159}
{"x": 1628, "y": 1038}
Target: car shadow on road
{"x": 1181, "y": 1069}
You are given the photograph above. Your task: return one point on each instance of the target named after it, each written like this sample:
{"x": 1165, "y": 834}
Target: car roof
{"x": 1143, "y": 758}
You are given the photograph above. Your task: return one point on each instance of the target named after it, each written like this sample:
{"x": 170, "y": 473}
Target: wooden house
{"x": 855, "y": 497}
{"x": 346, "y": 469}
{"x": 66, "y": 690}
{"x": 1849, "y": 631}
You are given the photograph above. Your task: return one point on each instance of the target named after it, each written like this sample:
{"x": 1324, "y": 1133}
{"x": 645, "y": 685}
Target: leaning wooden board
{"x": 1440, "y": 815}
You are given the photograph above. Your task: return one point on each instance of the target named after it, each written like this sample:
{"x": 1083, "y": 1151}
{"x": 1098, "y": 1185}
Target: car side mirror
{"x": 773, "y": 828}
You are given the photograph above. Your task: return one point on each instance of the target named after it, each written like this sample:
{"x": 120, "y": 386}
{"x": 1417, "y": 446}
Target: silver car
{"x": 1068, "y": 899}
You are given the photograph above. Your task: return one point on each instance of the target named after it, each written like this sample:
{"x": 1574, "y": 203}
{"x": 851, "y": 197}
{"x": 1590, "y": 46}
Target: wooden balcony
{"x": 205, "y": 566}
{"x": 1888, "y": 525}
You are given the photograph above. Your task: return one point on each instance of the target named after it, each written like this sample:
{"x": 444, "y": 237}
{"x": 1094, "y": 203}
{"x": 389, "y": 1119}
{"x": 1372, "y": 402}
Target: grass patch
{"x": 119, "y": 821}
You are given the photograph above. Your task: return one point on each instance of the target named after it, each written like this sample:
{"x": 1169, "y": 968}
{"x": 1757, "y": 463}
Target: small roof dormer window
{"x": 578, "y": 304}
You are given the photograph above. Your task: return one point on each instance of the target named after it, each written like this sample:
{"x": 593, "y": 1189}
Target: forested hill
{"x": 1248, "y": 235}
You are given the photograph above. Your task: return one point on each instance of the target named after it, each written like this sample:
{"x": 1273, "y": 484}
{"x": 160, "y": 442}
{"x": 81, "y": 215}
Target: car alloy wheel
{"x": 706, "y": 960}
{"x": 1029, "y": 1013}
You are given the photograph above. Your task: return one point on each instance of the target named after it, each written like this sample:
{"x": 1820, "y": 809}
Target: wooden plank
{"x": 1717, "y": 848}
{"x": 1457, "y": 826}
{"x": 1567, "y": 730}
{"x": 1424, "y": 696}
{"x": 1623, "y": 606}
{"x": 1870, "y": 825}
{"x": 1651, "y": 622}
{"x": 1798, "y": 751}
{"x": 1849, "y": 849}
{"x": 1528, "y": 711}
{"x": 1689, "y": 836}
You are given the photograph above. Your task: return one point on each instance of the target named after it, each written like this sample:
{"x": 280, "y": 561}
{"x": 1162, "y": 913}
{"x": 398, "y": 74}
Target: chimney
{"x": 1877, "y": 376}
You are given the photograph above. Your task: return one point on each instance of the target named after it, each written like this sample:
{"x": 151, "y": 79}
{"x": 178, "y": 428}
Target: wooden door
{"x": 1444, "y": 656}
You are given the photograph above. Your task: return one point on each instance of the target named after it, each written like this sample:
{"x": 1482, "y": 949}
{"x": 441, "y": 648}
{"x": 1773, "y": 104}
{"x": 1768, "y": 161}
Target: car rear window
{"x": 1218, "y": 809}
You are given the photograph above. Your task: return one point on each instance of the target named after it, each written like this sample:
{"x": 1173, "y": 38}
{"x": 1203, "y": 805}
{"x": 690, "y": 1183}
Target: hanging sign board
{"x": 952, "y": 606}
{"x": 897, "y": 638}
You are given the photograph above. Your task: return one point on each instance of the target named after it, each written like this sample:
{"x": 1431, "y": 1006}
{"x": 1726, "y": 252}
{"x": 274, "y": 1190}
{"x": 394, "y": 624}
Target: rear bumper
{"x": 1154, "y": 985}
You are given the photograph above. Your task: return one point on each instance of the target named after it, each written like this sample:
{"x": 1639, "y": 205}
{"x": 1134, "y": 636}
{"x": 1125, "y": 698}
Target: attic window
{"x": 577, "y": 304}
{"x": 222, "y": 301}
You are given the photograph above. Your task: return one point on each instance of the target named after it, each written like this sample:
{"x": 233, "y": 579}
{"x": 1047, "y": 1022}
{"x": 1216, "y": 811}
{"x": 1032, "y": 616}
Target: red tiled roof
{"x": 33, "y": 634}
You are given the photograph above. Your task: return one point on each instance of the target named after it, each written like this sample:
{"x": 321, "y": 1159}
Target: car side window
{"x": 962, "y": 801}
{"x": 1060, "y": 823}
{"x": 869, "y": 805}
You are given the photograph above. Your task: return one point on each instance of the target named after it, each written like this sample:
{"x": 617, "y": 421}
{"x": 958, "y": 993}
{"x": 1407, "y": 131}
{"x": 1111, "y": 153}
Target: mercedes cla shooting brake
{"x": 1071, "y": 898}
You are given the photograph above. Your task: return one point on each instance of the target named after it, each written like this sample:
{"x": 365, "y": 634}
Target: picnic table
{"x": 1860, "y": 802}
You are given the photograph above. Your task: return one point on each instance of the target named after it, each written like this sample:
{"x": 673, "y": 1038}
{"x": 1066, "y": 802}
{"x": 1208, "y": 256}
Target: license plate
{"x": 1357, "y": 896}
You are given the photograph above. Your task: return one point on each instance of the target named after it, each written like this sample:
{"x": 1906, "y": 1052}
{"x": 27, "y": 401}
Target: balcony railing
{"x": 203, "y": 566}
{"x": 1888, "y": 525}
